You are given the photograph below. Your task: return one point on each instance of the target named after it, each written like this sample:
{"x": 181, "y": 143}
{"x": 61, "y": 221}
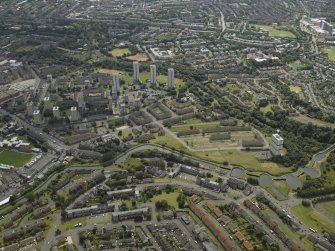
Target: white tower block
{"x": 116, "y": 83}
{"x": 136, "y": 71}
{"x": 153, "y": 75}
{"x": 74, "y": 114}
{"x": 56, "y": 112}
{"x": 170, "y": 83}
{"x": 37, "y": 117}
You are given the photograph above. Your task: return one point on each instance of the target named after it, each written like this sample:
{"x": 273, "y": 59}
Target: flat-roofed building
{"x": 131, "y": 214}
{"x": 276, "y": 145}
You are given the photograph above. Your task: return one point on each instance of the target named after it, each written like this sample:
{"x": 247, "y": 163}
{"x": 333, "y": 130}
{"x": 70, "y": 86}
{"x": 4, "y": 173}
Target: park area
{"x": 120, "y": 52}
{"x": 171, "y": 198}
{"x": 26, "y": 47}
{"x": 313, "y": 218}
{"x": 273, "y": 32}
{"x": 295, "y": 88}
{"x": 14, "y": 158}
{"x": 330, "y": 51}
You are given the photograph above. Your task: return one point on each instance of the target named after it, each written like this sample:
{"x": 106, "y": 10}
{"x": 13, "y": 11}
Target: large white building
{"x": 56, "y": 112}
{"x": 170, "y": 82}
{"x": 37, "y": 116}
{"x": 47, "y": 103}
{"x": 325, "y": 26}
{"x": 276, "y": 145}
{"x": 74, "y": 114}
{"x": 30, "y": 108}
{"x": 153, "y": 75}
{"x": 136, "y": 71}
{"x": 116, "y": 83}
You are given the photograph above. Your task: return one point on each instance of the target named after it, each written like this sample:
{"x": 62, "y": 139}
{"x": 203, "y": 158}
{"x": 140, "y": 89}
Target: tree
{"x": 30, "y": 197}
{"x": 161, "y": 205}
{"x": 306, "y": 203}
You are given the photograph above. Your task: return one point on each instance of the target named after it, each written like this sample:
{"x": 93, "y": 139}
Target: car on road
{"x": 312, "y": 230}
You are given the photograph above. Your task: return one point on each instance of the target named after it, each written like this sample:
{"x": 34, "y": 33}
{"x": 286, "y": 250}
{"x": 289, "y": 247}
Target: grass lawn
{"x": 25, "y": 48}
{"x": 171, "y": 198}
{"x": 131, "y": 163}
{"x": 306, "y": 120}
{"x": 313, "y": 218}
{"x": 282, "y": 187}
{"x": 169, "y": 141}
{"x": 166, "y": 36}
{"x": 267, "y": 108}
{"x": 126, "y": 133}
{"x": 120, "y": 52}
{"x": 296, "y": 65}
{"x": 231, "y": 86}
{"x": 242, "y": 158}
{"x": 295, "y": 88}
{"x": 14, "y": 158}
{"x": 161, "y": 180}
{"x": 66, "y": 225}
{"x": 193, "y": 121}
{"x": 179, "y": 128}
{"x": 330, "y": 52}
{"x": 329, "y": 207}
{"x": 274, "y": 32}
{"x": 161, "y": 79}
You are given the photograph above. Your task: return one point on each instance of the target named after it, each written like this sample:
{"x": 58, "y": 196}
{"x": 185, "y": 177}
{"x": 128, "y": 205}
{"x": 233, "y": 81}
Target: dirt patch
{"x": 110, "y": 71}
{"x": 139, "y": 57}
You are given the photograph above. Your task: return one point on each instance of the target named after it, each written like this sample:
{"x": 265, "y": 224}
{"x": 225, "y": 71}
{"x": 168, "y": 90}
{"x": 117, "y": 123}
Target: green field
{"x": 193, "y": 121}
{"x": 282, "y": 187}
{"x": 306, "y": 120}
{"x": 329, "y": 207}
{"x": 267, "y": 108}
{"x": 166, "y": 36}
{"x": 330, "y": 52}
{"x": 180, "y": 128}
{"x": 245, "y": 159}
{"x": 171, "y": 198}
{"x": 274, "y": 32}
{"x": 25, "y": 48}
{"x": 120, "y": 52}
{"x": 295, "y": 88}
{"x": 234, "y": 157}
{"x": 169, "y": 142}
{"x": 161, "y": 180}
{"x": 313, "y": 218}
{"x": 14, "y": 158}
{"x": 296, "y": 65}
{"x": 71, "y": 223}
{"x": 130, "y": 163}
